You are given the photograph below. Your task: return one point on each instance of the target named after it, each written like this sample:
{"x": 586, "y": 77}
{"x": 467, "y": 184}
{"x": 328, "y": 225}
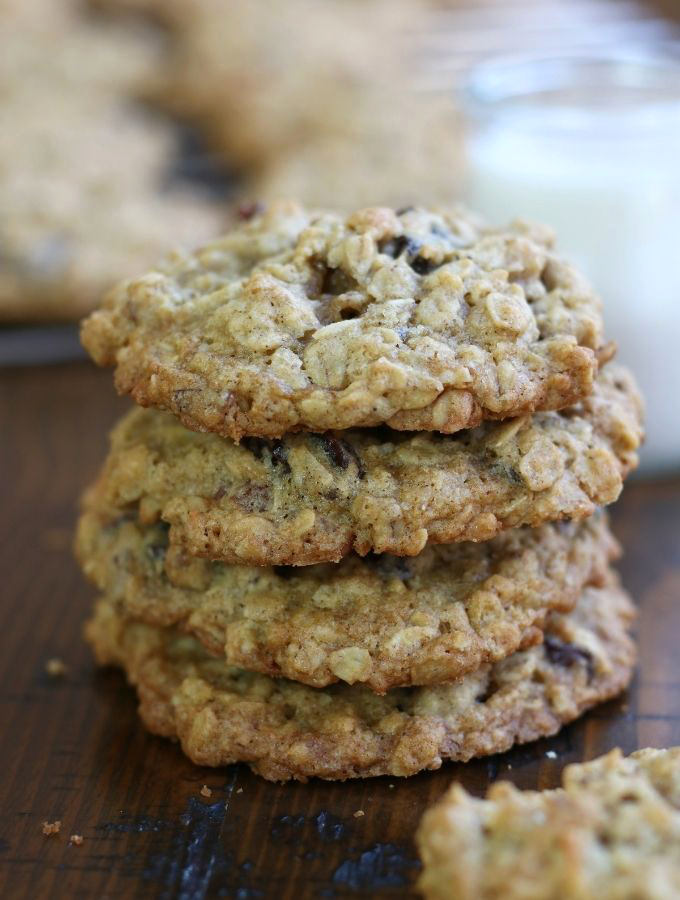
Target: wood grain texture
{"x": 72, "y": 748}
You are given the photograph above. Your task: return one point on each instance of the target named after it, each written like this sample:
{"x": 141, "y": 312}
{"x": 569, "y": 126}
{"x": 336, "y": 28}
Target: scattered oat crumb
{"x": 239, "y": 790}
{"x": 509, "y": 766}
{"x": 390, "y": 786}
{"x": 205, "y": 791}
{"x": 49, "y": 828}
{"x": 55, "y": 668}
{"x": 77, "y": 839}
{"x": 550, "y": 754}
{"x": 359, "y": 813}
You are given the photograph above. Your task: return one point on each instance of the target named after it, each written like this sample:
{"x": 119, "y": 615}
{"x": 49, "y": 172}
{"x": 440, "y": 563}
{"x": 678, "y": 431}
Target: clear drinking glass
{"x": 591, "y": 146}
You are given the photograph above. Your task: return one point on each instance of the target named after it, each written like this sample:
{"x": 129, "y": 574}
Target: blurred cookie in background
{"x": 314, "y": 100}
{"x": 399, "y": 149}
{"x": 263, "y": 79}
{"x": 84, "y": 170}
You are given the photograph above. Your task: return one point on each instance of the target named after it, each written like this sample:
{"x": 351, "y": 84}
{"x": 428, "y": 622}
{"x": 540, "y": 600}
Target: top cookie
{"x": 295, "y": 320}
{"x": 612, "y": 832}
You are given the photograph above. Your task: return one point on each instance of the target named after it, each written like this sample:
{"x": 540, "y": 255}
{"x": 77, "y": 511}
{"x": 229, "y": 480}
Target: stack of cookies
{"x": 356, "y": 527}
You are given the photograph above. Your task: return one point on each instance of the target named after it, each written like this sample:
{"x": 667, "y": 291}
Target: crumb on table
{"x": 76, "y": 839}
{"x": 359, "y": 813}
{"x": 49, "y": 828}
{"x": 55, "y": 667}
{"x": 205, "y": 791}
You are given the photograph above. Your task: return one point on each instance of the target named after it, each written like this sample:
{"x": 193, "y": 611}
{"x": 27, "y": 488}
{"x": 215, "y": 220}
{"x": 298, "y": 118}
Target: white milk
{"x": 603, "y": 168}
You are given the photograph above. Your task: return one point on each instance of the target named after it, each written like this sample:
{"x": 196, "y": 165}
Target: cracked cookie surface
{"x": 611, "y": 832}
{"x": 286, "y": 730}
{"x": 294, "y": 320}
{"x": 380, "y": 620}
{"x": 313, "y": 498}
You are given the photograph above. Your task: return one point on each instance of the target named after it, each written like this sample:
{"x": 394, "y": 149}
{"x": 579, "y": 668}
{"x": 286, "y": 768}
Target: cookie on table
{"x": 612, "y": 831}
{"x": 83, "y": 186}
{"x": 312, "y": 498}
{"x": 287, "y": 730}
{"x": 381, "y": 620}
{"x": 294, "y": 320}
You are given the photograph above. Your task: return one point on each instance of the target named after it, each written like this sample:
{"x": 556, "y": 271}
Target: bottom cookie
{"x": 284, "y": 730}
{"x": 612, "y": 832}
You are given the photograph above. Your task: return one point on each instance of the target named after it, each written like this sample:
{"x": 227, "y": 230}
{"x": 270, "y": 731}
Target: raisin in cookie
{"x": 286, "y": 730}
{"x": 611, "y": 832}
{"x": 313, "y": 498}
{"x": 295, "y": 321}
{"x": 381, "y": 620}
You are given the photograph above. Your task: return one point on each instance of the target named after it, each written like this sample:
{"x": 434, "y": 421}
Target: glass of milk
{"x": 591, "y": 145}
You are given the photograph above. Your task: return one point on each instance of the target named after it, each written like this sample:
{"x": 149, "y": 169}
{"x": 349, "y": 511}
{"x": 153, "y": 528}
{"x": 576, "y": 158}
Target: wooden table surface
{"x": 72, "y": 749}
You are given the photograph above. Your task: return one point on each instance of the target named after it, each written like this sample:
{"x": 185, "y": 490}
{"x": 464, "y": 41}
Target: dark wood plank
{"x": 72, "y": 749}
